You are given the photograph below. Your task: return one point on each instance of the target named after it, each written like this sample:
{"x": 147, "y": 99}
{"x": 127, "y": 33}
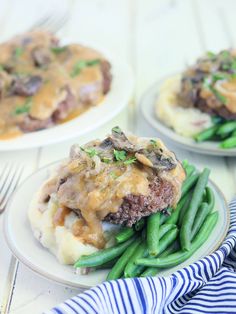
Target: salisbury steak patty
{"x": 210, "y": 85}
{"x": 134, "y": 207}
{"x": 120, "y": 180}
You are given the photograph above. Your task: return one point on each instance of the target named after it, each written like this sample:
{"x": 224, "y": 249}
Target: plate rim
{"x": 46, "y": 275}
{"x": 168, "y": 133}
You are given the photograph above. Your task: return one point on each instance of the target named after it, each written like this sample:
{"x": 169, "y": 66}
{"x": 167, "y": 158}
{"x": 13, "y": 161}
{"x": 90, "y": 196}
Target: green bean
{"x": 184, "y": 208}
{"x": 118, "y": 268}
{"x": 165, "y": 228}
{"x": 103, "y": 256}
{"x": 107, "y": 265}
{"x": 164, "y": 217}
{"x": 167, "y": 239}
{"x": 233, "y": 134}
{"x": 210, "y": 198}
{"x": 139, "y": 224}
{"x": 153, "y": 226}
{"x": 190, "y": 170}
{"x": 189, "y": 183}
{"x": 173, "y": 218}
{"x": 185, "y": 163}
{"x": 125, "y": 234}
{"x": 152, "y": 271}
{"x": 131, "y": 269}
{"x": 201, "y": 215}
{"x": 206, "y": 134}
{"x": 229, "y": 142}
{"x": 185, "y": 231}
{"x": 226, "y": 128}
{"x": 181, "y": 256}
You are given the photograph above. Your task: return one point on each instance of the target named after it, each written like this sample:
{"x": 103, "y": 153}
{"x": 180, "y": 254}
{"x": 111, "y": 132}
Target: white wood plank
{"x": 34, "y": 294}
{"x": 28, "y": 159}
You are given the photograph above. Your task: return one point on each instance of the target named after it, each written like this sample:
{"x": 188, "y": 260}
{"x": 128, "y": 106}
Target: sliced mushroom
{"x": 155, "y": 159}
{"x": 41, "y": 56}
{"x": 26, "y": 86}
{"x": 120, "y": 141}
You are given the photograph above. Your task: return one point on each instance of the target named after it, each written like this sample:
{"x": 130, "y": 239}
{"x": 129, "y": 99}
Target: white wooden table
{"x": 157, "y": 37}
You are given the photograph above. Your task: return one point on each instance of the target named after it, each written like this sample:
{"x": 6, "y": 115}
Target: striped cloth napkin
{"x": 207, "y": 286}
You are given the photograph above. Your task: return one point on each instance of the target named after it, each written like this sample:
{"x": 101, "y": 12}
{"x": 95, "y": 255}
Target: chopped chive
{"x": 225, "y": 54}
{"x": 90, "y": 151}
{"x": 81, "y": 64}
{"x": 211, "y": 54}
{"x": 117, "y": 129}
{"x": 18, "y": 52}
{"x": 218, "y": 95}
{"x": 130, "y": 161}
{"x": 106, "y": 160}
{"x": 219, "y": 76}
{"x": 58, "y": 50}
{"x": 113, "y": 175}
{"x": 153, "y": 142}
{"x": 120, "y": 155}
{"x": 25, "y": 108}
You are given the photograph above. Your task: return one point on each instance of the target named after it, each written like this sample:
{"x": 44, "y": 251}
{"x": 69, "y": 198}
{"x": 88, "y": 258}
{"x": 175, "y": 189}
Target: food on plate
{"x": 175, "y": 234}
{"x": 125, "y": 204}
{"x": 44, "y": 83}
{"x": 102, "y": 187}
{"x": 201, "y": 101}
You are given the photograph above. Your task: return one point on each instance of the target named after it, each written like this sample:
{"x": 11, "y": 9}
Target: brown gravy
{"x": 72, "y": 67}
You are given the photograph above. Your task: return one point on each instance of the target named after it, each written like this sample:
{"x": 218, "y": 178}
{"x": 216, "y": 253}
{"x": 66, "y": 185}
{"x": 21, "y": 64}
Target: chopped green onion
{"x": 219, "y": 76}
{"x": 117, "y": 129}
{"x": 90, "y": 151}
{"x": 25, "y": 108}
{"x": 210, "y": 54}
{"x": 58, "y": 50}
{"x": 106, "y": 160}
{"x": 113, "y": 175}
{"x": 80, "y": 65}
{"x": 18, "y": 52}
{"x": 225, "y": 54}
{"x": 218, "y": 95}
{"x": 130, "y": 161}
{"x": 154, "y": 143}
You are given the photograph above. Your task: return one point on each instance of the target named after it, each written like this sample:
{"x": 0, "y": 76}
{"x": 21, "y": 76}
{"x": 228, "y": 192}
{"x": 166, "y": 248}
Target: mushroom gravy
{"x": 43, "y": 84}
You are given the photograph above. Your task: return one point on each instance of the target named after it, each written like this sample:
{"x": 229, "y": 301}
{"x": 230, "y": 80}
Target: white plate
{"x": 147, "y": 106}
{"x": 117, "y": 98}
{"x": 29, "y": 251}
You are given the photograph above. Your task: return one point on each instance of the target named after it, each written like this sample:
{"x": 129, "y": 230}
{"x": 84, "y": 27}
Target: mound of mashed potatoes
{"x": 185, "y": 121}
{"x": 53, "y": 229}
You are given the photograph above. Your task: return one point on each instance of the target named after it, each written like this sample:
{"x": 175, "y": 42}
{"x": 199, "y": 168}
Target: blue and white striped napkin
{"x": 207, "y": 286}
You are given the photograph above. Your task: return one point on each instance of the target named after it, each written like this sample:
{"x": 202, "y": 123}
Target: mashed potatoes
{"x": 60, "y": 240}
{"x": 185, "y": 121}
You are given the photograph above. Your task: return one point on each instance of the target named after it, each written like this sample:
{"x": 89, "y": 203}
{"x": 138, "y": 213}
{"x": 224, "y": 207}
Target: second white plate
{"x": 147, "y": 106}
{"x": 115, "y": 101}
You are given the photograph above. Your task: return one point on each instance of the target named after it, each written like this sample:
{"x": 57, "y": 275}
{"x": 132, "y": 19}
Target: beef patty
{"x": 198, "y": 84}
{"x": 134, "y": 207}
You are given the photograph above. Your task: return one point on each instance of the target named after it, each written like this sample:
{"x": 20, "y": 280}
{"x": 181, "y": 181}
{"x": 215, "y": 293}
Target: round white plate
{"x": 147, "y": 105}
{"x": 116, "y": 99}
{"x": 29, "y": 251}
